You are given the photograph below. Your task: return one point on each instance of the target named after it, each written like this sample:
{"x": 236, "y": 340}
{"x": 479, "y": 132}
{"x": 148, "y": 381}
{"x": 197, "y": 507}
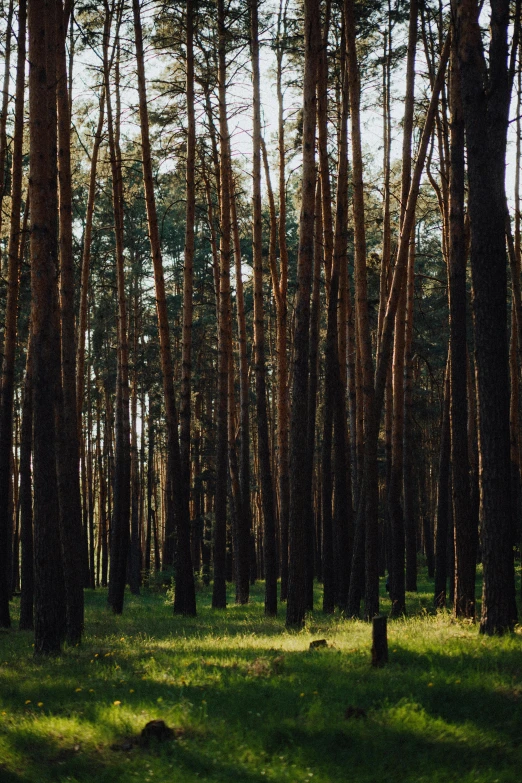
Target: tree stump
{"x": 156, "y": 730}
{"x": 380, "y": 641}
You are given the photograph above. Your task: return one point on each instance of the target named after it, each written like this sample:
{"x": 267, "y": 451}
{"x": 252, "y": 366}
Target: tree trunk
{"x": 5, "y": 102}
{"x": 299, "y": 491}
{"x": 219, "y": 598}
{"x": 331, "y": 356}
{"x": 486, "y": 112}
{"x": 119, "y": 531}
{"x": 282, "y": 315}
{"x": 441, "y": 559}
{"x": 26, "y": 500}
{"x": 343, "y": 503}
{"x": 465, "y": 550}
{"x": 49, "y": 607}
{"x": 313, "y": 383}
{"x": 397, "y": 582}
{"x": 245, "y": 519}
{"x": 8, "y": 364}
{"x": 134, "y": 565}
{"x": 267, "y": 491}
{"x": 185, "y": 596}
{"x": 366, "y": 527}
{"x": 85, "y": 268}
{"x": 410, "y": 509}
{"x": 68, "y": 446}
{"x": 188, "y": 269}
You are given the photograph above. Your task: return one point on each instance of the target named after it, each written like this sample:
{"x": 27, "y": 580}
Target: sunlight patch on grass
{"x": 250, "y": 701}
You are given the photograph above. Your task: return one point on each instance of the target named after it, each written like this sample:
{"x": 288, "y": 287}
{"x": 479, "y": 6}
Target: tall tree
{"x": 365, "y": 545}
{"x": 10, "y": 329}
{"x": 185, "y": 596}
{"x": 465, "y": 537}
{"x": 299, "y": 491}
{"x": 49, "y": 607}
{"x": 397, "y": 581}
{"x": 244, "y": 518}
{"x": 68, "y": 447}
{"x": 219, "y": 598}
{"x": 119, "y": 538}
{"x": 267, "y": 491}
{"x": 486, "y": 99}
{"x": 281, "y": 297}
{"x": 26, "y": 500}
{"x": 188, "y": 269}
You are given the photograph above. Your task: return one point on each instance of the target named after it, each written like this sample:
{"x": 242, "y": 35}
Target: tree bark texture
{"x": 485, "y": 99}
{"x": 10, "y": 328}
{"x": 49, "y": 606}
{"x": 299, "y": 492}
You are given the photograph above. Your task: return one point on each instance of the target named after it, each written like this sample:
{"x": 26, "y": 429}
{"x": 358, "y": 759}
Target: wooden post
{"x": 380, "y": 641}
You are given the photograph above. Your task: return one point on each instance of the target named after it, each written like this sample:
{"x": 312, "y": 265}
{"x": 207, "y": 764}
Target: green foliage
{"x": 250, "y": 702}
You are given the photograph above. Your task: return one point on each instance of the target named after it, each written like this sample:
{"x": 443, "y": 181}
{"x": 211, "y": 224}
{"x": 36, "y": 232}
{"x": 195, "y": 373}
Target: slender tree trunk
{"x": 68, "y": 445}
{"x": 313, "y": 384}
{"x": 26, "y": 500}
{"x": 188, "y": 269}
{"x": 150, "y": 489}
{"x": 5, "y": 101}
{"x": 10, "y": 328}
{"x": 386, "y": 216}
{"x": 343, "y": 503}
{"x": 109, "y": 462}
{"x": 410, "y": 521}
{"x": 119, "y": 535}
{"x": 185, "y": 596}
{"x": 397, "y": 582}
{"x": 397, "y": 560}
{"x": 331, "y": 357}
{"x": 299, "y": 492}
{"x": 245, "y": 518}
{"x": 465, "y": 551}
{"x": 134, "y": 565}
{"x": 102, "y": 498}
{"x": 282, "y": 316}
{"x": 219, "y": 598}
{"x": 267, "y": 491}
{"x": 85, "y": 268}
{"x": 366, "y": 527}
{"x": 90, "y": 493}
{"x": 443, "y": 499}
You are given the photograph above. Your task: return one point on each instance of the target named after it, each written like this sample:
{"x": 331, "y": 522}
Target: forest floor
{"x": 250, "y": 702}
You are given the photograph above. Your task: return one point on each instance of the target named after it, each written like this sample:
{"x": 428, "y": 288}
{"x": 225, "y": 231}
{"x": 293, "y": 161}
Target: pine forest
{"x": 260, "y": 314}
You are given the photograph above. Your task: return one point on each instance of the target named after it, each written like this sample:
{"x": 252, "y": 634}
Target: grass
{"x": 250, "y": 702}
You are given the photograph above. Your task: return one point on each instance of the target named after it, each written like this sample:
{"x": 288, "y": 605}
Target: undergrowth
{"x": 250, "y": 702}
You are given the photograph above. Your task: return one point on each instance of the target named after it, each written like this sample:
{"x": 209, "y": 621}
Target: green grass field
{"x": 250, "y": 702}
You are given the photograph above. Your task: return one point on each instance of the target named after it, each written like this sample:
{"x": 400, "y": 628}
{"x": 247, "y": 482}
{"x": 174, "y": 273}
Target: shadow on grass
{"x": 435, "y": 714}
